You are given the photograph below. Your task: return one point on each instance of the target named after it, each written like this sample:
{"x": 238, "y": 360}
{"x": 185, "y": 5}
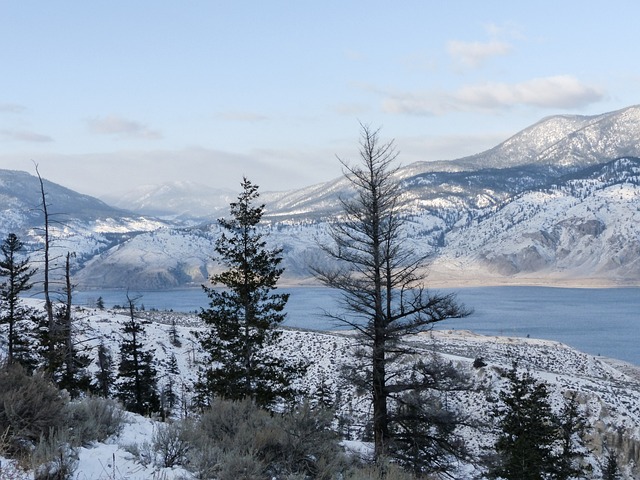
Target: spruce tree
{"x": 611, "y": 469}
{"x": 20, "y": 319}
{"x": 528, "y": 430}
{"x": 137, "y": 385}
{"x": 243, "y": 317}
{"x": 105, "y": 373}
{"x": 572, "y": 426}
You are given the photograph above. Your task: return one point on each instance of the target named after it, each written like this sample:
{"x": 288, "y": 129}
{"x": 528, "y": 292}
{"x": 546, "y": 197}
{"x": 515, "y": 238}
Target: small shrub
{"x": 30, "y": 407}
{"x": 94, "y": 419}
{"x": 170, "y": 444}
{"x": 142, "y": 453}
{"x": 382, "y": 470}
{"x": 235, "y": 466}
{"x": 53, "y": 457}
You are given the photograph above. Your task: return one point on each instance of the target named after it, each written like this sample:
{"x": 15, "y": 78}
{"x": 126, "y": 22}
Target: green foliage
{"x": 30, "y": 408}
{"x": 242, "y": 318}
{"x": 233, "y": 437}
{"x": 423, "y": 420}
{"x": 528, "y": 430}
{"x": 137, "y": 377}
{"x": 20, "y": 320}
{"x": 572, "y": 426}
{"x": 104, "y": 377}
{"x": 611, "y": 469}
{"x": 534, "y": 442}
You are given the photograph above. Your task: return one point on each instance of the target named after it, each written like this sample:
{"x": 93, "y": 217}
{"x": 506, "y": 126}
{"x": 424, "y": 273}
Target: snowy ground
{"x": 608, "y": 390}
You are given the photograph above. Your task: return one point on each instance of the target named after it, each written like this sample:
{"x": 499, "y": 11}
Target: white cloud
{"x": 114, "y": 125}
{"x": 474, "y": 54}
{"x": 561, "y": 91}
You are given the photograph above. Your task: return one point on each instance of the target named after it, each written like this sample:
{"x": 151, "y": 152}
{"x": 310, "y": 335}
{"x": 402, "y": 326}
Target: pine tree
{"x": 105, "y": 374}
{"x": 169, "y": 395}
{"x": 528, "y": 430}
{"x": 572, "y": 427}
{"x": 611, "y": 469}
{"x": 242, "y": 318}
{"x": 382, "y": 279}
{"x": 21, "y": 320}
{"x": 137, "y": 386}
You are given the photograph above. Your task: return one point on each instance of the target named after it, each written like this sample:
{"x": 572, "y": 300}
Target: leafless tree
{"x": 380, "y": 276}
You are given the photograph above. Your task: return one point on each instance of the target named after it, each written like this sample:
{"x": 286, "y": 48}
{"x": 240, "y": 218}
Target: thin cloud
{"x": 25, "y": 136}
{"x": 243, "y": 116}
{"x": 350, "y": 109}
{"x": 114, "y": 125}
{"x": 474, "y": 54}
{"x": 12, "y": 108}
{"x": 561, "y": 91}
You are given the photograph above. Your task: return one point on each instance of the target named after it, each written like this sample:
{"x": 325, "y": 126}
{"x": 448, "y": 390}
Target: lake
{"x": 596, "y": 321}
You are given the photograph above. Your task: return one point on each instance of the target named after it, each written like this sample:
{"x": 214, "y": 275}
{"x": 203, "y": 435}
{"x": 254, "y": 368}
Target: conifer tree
{"x": 381, "y": 278}
{"x": 20, "y": 320}
{"x": 528, "y": 430}
{"x": 243, "y": 316}
{"x": 105, "y": 374}
{"x": 169, "y": 394}
{"x": 137, "y": 386}
{"x": 611, "y": 469}
{"x": 572, "y": 426}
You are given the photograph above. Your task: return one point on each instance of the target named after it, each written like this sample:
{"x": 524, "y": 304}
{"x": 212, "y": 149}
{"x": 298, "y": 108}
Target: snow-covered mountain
{"x": 557, "y": 202}
{"x": 178, "y": 200}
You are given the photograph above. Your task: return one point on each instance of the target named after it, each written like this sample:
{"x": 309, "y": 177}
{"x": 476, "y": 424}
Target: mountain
{"x": 178, "y": 200}
{"x": 555, "y": 203}
{"x": 78, "y": 223}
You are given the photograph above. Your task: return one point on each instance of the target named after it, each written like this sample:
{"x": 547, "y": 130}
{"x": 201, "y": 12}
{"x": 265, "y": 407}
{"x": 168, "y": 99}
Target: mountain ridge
{"x": 562, "y": 172}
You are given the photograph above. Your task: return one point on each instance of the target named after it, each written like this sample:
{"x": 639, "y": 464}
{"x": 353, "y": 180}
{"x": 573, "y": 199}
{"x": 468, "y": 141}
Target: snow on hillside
{"x": 608, "y": 391}
{"x": 582, "y": 228}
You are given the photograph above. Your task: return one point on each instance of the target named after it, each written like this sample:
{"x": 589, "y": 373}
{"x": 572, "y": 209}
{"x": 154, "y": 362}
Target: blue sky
{"x": 107, "y": 95}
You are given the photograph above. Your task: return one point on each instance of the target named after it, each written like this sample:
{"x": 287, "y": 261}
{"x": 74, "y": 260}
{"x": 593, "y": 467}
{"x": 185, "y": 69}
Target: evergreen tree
{"x": 528, "y": 430}
{"x": 424, "y": 421}
{"x": 611, "y": 469}
{"x": 572, "y": 427}
{"x": 100, "y": 303}
{"x": 20, "y": 320}
{"x": 169, "y": 394}
{"x": 242, "y": 318}
{"x": 137, "y": 385}
{"x": 105, "y": 374}
{"x": 174, "y": 337}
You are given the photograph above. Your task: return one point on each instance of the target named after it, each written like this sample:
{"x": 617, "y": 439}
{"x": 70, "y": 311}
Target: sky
{"x": 106, "y": 96}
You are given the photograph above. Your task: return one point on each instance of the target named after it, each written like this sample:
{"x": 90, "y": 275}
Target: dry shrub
{"x": 94, "y": 419}
{"x": 30, "y": 407}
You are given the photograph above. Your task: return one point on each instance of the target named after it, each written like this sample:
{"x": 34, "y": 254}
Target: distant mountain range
{"x": 559, "y": 202}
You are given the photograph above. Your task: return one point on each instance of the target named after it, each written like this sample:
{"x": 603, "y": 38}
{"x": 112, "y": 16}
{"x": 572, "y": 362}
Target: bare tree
{"x": 380, "y": 276}
{"x": 48, "y": 304}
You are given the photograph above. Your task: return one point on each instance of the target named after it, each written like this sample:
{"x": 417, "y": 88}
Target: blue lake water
{"x": 597, "y": 321}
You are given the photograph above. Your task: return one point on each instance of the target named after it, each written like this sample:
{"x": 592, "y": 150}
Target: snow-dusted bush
{"x": 30, "y": 407}
{"x": 94, "y": 419}
{"x": 171, "y": 444}
{"x": 53, "y": 457}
